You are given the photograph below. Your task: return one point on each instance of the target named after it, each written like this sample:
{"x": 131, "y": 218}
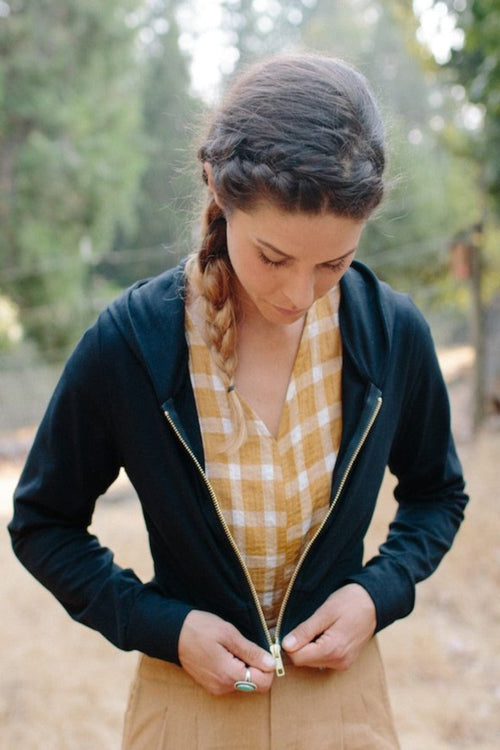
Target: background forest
{"x": 101, "y": 103}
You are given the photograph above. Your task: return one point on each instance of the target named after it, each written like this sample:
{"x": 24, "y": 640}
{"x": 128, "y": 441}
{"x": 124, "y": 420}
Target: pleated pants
{"x": 307, "y": 709}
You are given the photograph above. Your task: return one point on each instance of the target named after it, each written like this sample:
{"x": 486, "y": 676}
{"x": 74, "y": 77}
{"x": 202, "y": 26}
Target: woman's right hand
{"x": 216, "y": 655}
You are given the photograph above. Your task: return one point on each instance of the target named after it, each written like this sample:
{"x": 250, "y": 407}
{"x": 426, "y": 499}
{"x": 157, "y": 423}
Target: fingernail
{"x": 289, "y": 642}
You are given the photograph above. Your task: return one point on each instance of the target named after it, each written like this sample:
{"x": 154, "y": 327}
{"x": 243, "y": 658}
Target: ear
{"x": 207, "y": 169}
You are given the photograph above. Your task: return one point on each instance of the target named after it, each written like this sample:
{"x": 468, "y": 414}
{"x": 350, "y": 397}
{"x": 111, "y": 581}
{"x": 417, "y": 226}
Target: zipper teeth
{"x": 226, "y": 529}
{"x": 332, "y": 506}
{"x": 309, "y": 544}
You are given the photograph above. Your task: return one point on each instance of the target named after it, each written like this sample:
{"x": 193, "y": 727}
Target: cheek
{"x": 324, "y": 284}
{"x": 327, "y": 280}
{"x": 249, "y": 273}
{"x": 253, "y": 273}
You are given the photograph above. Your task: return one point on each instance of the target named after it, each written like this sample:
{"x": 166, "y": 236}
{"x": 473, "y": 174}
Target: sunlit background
{"x": 102, "y": 104}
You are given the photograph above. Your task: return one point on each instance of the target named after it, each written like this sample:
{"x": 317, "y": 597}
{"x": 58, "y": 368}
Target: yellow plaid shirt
{"x": 274, "y": 493}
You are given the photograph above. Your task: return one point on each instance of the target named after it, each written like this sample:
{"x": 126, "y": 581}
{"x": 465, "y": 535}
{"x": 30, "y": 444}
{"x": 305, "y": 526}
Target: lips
{"x": 289, "y": 313}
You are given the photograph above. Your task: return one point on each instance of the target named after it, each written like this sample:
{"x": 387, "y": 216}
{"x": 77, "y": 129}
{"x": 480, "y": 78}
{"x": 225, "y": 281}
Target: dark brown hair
{"x": 302, "y": 131}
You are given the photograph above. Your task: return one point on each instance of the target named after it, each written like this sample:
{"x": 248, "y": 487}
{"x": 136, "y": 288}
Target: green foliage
{"x": 163, "y": 204}
{"x": 430, "y": 194}
{"x": 256, "y": 28}
{"x": 97, "y": 159}
{"x": 477, "y": 66}
{"x": 69, "y": 152}
{"x": 10, "y": 328}
{"x": 407, "y": 241}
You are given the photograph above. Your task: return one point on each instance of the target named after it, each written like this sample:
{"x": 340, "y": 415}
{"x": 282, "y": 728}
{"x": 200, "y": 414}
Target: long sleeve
{"x": 73, "y": 460}
{"x": 430, "y": 489}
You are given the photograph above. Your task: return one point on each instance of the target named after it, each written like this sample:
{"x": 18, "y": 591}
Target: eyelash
{"x": 269, "y": 262}
{"x": 334, "y": 267}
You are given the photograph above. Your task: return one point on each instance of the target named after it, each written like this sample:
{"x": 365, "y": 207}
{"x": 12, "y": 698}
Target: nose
{"x": 300, "y": 290}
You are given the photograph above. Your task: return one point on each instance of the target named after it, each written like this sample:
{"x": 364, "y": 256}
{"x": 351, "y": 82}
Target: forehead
{"x": 322, "y": 236}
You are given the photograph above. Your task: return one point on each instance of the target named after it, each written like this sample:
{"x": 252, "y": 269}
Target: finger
{"x": 254, "y": 678}
{"x": 216, "y": 655}
{"x": 219, "y": 677}
{"x": 248, "y": 652}
{"x": 308, "y": 631}
{"x": 330, "y": 650}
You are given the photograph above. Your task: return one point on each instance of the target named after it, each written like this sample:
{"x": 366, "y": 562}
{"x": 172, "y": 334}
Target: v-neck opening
{"x": 291, "y": 389}
{"x": 274, "y": 491}
{"x": 303, "y": 348}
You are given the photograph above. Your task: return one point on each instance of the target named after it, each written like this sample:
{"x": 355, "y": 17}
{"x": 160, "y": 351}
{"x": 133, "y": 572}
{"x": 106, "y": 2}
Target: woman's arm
{"x": 430, "y": 487}
{"x": 73, "y": 460}
{"x": 431, "y": 502}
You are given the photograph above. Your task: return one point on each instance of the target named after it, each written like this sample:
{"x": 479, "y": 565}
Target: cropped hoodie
{"x": 125, "y": 400}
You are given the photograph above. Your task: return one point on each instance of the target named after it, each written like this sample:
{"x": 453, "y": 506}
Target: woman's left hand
{"x": 335, "y": 634}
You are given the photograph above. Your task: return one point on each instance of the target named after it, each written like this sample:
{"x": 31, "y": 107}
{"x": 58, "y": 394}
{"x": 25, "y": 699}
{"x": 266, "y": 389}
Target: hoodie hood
{"x": 150, "y": 316}
{"x": 367, "y": 309}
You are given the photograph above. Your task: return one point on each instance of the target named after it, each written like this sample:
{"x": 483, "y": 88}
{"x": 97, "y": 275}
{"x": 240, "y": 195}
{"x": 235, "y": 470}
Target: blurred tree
{"x": 430, "y": 192}
{"x": 471, "y": 69}
{"x": 261, "y": 27}
{"x": 163, "y": 207}
{"x": 428, "y": 187}
{"x": 476, "y": 64}
{"x": 69, "y": 152}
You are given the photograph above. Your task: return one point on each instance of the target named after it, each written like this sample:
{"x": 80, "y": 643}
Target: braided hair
{"x": 301, "y": 132}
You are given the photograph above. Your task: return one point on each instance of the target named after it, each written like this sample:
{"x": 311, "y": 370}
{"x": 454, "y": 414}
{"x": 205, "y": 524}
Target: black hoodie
{"x": 125, "y": 400}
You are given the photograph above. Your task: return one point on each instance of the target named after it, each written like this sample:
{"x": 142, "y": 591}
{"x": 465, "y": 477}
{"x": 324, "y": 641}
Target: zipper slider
{"x": 276, "y": 652}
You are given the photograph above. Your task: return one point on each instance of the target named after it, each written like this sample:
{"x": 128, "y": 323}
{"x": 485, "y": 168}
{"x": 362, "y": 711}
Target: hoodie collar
{"x": 150, "y": 315}
{"x": 366, "y": 318}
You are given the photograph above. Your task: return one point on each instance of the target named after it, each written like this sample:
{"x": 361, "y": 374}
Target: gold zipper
{"x": 274, "y": 646}
{"x": 330, "y": 511}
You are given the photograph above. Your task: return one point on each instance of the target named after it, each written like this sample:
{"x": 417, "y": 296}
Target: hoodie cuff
{"x": 390, "y": 587}
{"x": 155, "y": 624}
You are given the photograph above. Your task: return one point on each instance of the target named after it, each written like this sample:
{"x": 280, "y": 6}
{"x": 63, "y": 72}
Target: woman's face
{"x": 285, "y": 261}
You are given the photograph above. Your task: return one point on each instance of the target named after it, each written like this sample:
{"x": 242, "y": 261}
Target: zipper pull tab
{"x": 276, "y": 652}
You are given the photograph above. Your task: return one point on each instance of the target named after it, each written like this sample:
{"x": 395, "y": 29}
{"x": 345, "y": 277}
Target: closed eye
{"x": 334, "y": 266}
{"x": 273, "y": 263}
{"x": 339, "y": 265}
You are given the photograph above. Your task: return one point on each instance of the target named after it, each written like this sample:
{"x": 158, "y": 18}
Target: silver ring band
{"x": 246, "y": 685}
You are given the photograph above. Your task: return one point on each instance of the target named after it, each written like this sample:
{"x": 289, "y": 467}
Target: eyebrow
{"x": 290, "y": 257}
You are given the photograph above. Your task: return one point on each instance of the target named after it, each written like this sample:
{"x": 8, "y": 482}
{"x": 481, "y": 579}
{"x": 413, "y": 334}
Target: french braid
{"x": 211, "y": 280}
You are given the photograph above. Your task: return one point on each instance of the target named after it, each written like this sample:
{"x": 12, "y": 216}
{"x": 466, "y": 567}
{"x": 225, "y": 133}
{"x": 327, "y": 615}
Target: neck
{"x": 255, "y": 326}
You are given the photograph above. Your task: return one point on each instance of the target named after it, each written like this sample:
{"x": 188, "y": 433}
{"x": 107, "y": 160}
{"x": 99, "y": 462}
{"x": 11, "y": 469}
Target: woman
{"x": 255, "y": 396}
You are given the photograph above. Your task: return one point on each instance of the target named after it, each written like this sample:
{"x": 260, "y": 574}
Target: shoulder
{"x": 380, "y": 326}
{"x": 374, "y": 299}
{"x": 149, "y": 299}
{"x": 145, "y": 320}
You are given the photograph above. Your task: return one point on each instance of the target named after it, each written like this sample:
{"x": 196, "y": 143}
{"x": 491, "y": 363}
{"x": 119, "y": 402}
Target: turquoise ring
{"x": 246, "y": 685}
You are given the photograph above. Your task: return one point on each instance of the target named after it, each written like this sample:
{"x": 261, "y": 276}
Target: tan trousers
{"x": 307, "y": 709}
